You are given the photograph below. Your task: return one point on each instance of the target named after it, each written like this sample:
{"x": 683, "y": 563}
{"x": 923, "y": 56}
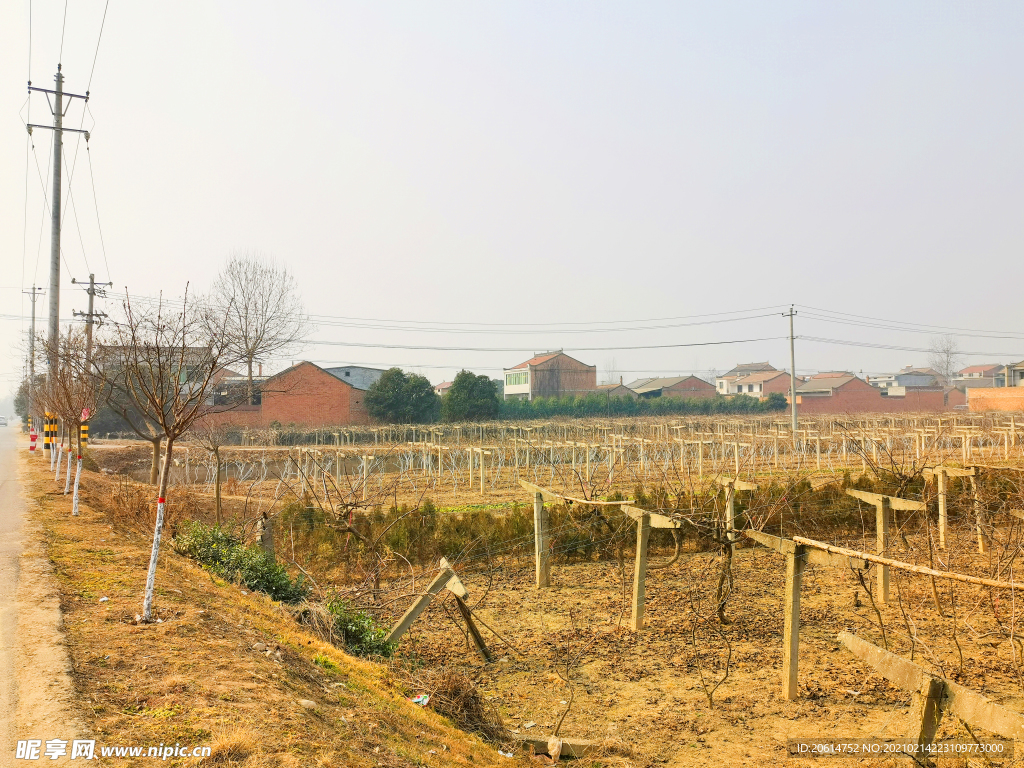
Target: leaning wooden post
{"x": 943, "y": 515}
{"x": 474, "y": 633}
{"x": 882, "y": 514}
{"x": 791, "y": 629}
{"x": 643, "y": 534}
{"x": 541, "y": 542}
{"x": 419, "y": 604}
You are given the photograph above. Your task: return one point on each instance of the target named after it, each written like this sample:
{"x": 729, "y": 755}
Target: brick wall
{"x": 304, "y": 395}
{"x": 307, "y": 395}
{"x": 562, "y": 375}
{"x": 999, "y": 399}
{"x": 690, "y": 387}
{"x": 870, "y": 400}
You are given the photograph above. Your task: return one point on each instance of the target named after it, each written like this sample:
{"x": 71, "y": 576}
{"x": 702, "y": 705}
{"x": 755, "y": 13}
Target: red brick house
{"x": 843, "y": 392}
{"x": 549, "y": 375}
{"x": 676, "y": 386}
{"x": 305, "y": 395}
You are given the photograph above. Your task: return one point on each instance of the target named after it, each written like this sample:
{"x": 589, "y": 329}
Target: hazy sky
{"x": 470, "y": 169}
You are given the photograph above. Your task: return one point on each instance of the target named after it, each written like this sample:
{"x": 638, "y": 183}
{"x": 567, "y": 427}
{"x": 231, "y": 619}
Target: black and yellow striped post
{"x": 85, "y": 435}
{"x": 47, "y": 431}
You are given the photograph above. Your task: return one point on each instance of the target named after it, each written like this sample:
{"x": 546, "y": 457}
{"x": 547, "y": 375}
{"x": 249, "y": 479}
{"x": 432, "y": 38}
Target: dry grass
{"x": 455, "y": 694}
{"x": 195, "y": 678}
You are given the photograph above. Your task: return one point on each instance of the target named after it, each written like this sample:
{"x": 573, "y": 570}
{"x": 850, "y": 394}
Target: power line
{"x": 881, "y": 326}
{"x": 63, "y": 27}
{"x": 847, "y": 343}
{"x": 96, "y": 206}
{"x": 96, "y": 55}
{"x": 904, "y": 325}
{"x": 74, "y": 209}
{"x": 530, "y": 349}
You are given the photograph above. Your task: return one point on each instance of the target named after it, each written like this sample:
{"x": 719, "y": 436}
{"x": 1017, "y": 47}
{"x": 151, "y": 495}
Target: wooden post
{"x": 469, "y": 451}
{"x": 791, "y": 629}
{"x": 943, "y": 516}
{"x": 482, "y": 489}
{"x": 474, "y": 633}
{"x": 541, "y": 542}
{"x": 882, "y": 514}
{"x": 419, "y": 604}
{"x": 643, "y": 533}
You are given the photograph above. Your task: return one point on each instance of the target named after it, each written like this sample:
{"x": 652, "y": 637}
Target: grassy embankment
{"x": 196, "y": 678}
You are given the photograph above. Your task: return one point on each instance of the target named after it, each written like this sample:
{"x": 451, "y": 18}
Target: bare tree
{"x": 69, "y": 392}
{"x": 169, "y": 362}
{"x": 945, "y": 357}
{"x": 257, "y": 304}
{"x": 119, "y": 398}
{"x": 212, "y": 435}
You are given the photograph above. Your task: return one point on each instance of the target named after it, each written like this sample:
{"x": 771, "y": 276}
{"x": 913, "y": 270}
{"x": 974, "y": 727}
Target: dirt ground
{"x": 643, "y": 690}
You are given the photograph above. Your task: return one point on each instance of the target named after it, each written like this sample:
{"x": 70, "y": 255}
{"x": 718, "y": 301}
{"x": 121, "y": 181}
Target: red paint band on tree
{"x": 160, "y": 500}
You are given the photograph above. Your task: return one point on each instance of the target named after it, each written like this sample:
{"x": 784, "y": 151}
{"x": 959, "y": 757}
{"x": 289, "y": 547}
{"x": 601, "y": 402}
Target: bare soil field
{"x": 643, "y": 691}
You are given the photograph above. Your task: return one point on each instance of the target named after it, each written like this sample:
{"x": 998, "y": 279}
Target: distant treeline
{"x": 596, "y": 404}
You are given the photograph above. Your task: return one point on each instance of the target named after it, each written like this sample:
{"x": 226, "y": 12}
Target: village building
{"x": 726, "y": 384}
{"x": 676, "y": 386}
{"x": 762, "y": 384}
{"x": 552, "y": 374}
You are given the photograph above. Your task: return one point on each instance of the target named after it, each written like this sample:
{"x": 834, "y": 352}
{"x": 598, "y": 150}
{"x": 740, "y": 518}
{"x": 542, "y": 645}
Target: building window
{"x": 516, "y": 379}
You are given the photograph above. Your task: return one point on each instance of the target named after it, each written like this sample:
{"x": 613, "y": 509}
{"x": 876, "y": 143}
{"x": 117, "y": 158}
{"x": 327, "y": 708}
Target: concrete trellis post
{"x": 979, "y": 515}
{"x": 936, "y": 695}
{"x": 645, "y": 522}
{"x": 643, "y": 534}
{"x": 942, "y": 475}
{"x": 943, "y": 513}
{"x": 795, "y": 560}
{"x": 446, "y": 579}
{"x": 540, "y": 525}
{"x": 797, "y": 556}
{"x": 883, "y": 511}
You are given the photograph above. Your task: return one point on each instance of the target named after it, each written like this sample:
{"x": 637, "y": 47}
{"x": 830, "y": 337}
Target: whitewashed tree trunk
{"x": 60, "y": 454}
{"x": 67, "y": 479}
{"x": 78, "y": 478}
{"x": 147, "y": 604}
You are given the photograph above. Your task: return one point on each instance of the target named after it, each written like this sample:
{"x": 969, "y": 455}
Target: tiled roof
{"x": 754, "y": 378}
{"x": 536, "y": 360}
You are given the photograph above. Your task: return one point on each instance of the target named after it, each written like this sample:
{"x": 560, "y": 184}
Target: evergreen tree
{"x": 471, "y": 398}
{"x": 401, "y": 398}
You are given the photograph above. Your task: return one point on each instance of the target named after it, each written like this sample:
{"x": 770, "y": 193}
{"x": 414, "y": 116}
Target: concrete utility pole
{"x": 90, "y": 316}
{"x": 792, "y": 372}
{"x": 57, "y": 107}
{"x": 32, "y": 348}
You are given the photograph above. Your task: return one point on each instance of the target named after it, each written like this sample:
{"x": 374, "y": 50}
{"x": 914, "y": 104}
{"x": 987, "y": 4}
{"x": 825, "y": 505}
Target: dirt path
{"x": 36, "y": 692}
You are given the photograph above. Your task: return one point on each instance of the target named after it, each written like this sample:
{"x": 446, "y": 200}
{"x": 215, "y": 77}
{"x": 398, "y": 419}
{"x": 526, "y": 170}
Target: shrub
{"x": 358, "y": 631}
{"x": 230, "y": 558}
